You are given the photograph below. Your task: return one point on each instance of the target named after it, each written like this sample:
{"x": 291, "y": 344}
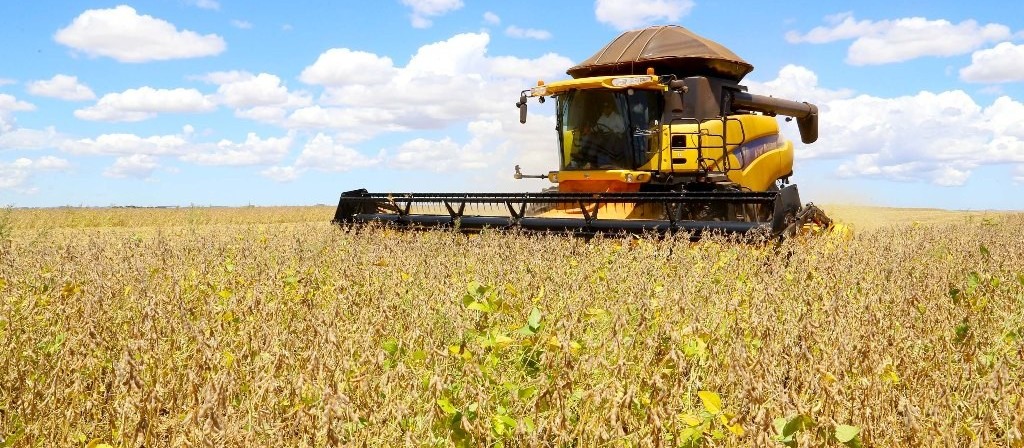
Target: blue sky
{"x": 223, "y": 102}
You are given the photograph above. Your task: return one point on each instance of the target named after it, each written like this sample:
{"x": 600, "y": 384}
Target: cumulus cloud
{"x": 262, "y": 97}
{"x": 1002, "y": 63}
{"x": 127, "y": 144}
{"x": 626, "y": 14}
{"x": 423, "y": 10}
{"x": 444, "y": 83}
{"x": 898, "y": 40}
{"x": 492, "y": 144}
{"x": 340, "y": 66}
{"x": 22, "y": 138}
{"x": 15, "y": 175}
{"x": 8, "y": 105}
{"x": 241, "y": 24}
{"x": 63, "y": 87}
{"x": 527, "y": 33}
{"x": 939, "y": 137}
{"x": 125, "y": 35}
{"x": 254, "y": 150}
{"x": 323, "y": 153}
{"x": 145, "y": 103}
{"x": 281, "y": 173}
{"x": 140, "y": 166}
{"x": 491, "y": 18}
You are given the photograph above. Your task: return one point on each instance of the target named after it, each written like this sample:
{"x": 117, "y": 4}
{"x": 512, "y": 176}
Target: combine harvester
{"x": 654, "y": 135}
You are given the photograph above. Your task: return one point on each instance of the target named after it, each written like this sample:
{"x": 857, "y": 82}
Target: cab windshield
{"x": 608, "y": 129}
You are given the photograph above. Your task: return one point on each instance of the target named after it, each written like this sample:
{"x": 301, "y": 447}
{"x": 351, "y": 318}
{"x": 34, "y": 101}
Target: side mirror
{"x": 522, "y": 108}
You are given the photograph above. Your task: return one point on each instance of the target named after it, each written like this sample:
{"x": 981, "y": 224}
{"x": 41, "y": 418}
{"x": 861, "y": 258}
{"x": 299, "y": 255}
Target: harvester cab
{"x": 654, "y": 133}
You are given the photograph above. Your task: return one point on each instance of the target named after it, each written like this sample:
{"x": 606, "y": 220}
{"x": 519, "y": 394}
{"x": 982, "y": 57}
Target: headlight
{"x": 629, "y": 178}
{"x": 630, "y": 81}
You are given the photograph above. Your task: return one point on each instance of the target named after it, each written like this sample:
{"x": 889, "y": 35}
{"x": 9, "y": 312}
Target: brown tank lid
{"x": 669, "y": 49}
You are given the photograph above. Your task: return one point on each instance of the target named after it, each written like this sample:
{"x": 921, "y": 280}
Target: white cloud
{"x": 444, "y": 83}
{"x": 341, "y": 66}
{"x": 800, "y": 84}
{"x": 253, "y": 151}
{"x": 145, "y": 103}
{"x": 136, "y": 165}
{"x": 124, "y": 35}
{"x": 63, "y": 87}
{"x": 242, "y": 90}
{"x": 324, "y": 153}
{"x": 491, "y": 18}
{"x": 527, "y": 33}
{"x": 128, "y": 144}
{"x": 626, "y": 14}
{"x": 15, "y": 175}
{"x": 241, "y": 24}
{"x": 8, "y": 103}
{"x": 205, "y": 4}
{"x": 445, "y": 154}
{"x": 548, "y": 66}
{"x": 281, "y": 173}
{"x": 422, "y": 10}
{"x": 937, "y": 137}
{"x": 1002, "y": 63}
{"x": 29, "y": 138}
{"x": 7, "y": 81}
{"x": 898, "y": 40}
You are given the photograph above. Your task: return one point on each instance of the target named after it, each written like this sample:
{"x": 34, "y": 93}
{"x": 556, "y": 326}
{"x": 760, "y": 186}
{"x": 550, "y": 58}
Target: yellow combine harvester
{"x": 654, "y": 134}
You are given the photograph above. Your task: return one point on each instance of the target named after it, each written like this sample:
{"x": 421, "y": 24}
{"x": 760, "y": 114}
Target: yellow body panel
{"x": 624, "y": 176}
{"x": 764, "y": 155}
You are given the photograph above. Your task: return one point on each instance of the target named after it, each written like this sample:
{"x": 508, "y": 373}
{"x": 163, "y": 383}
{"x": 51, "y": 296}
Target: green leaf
{"x": 480, "y": 306}
{"x": 787, "y": 427}
{"x": 506, "y": 420}
{"x": 446, "y": 406}
{"x": 846, "y": 433}
{"x": 689, "y": 437}
{"x": 954, "y": 294}
{"x": 534, "y": 320}
{"x": 390, "y": 346}
{"x": 712, "y": 402}
{"x": 475, "y": 288}
{"x": 973, "y": 280}
{"x": 528, "y": 424}
{"x": 527, "y": 392}
{"x": 961, "y": 331}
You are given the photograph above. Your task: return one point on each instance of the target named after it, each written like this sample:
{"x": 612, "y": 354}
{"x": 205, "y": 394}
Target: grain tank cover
{"x": 668, "y": 49}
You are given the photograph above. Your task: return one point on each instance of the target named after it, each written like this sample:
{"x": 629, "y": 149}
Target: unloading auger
{"x": 655, "y": 134}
